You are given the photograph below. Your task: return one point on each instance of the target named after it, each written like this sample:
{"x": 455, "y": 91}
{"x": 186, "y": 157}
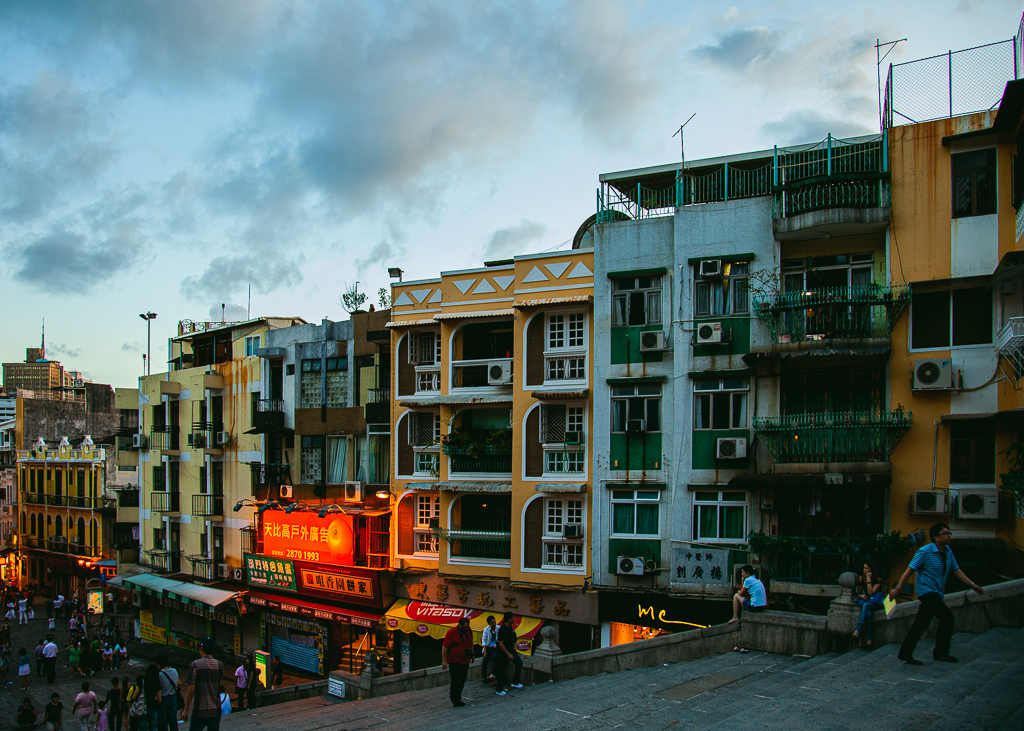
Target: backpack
{"x": 137, "y": 709}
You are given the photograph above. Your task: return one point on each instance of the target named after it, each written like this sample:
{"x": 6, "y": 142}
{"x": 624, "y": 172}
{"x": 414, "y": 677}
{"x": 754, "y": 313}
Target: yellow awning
{"x": 428, "y": 619}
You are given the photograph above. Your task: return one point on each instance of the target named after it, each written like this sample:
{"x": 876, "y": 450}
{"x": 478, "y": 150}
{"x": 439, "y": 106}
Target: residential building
{"x": 491, "y": 422}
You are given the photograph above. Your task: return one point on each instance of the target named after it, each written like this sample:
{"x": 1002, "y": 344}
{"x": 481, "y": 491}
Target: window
{"x": 635, "y": 512}
{"x": 720, "y": 403}
{"x": 565, "y": 354}
{"x": 252, "y": 343}
{"x": 289, "y": 370}
{"x": 640, "y": 403}
{"x": 428, "y": 512}
{"x": 312, "y": 460}
{"x": 562, "y": 434}
{"x": 337, "y": 460}
{"x": 974, "y": 183}
{"x": 335, "y": 379}
{"x": 559, "y": 550}
{"x": 719, "y": 516}
{"x": 565, "y": 332}
{"x": 728, "y": 294}
{"x": 963, "y": 312}
{"x": 425, "y": 348}
{"x": 972, "y": 451}
{"x": 636, "y": 301}
{"x": 425, "y": 438}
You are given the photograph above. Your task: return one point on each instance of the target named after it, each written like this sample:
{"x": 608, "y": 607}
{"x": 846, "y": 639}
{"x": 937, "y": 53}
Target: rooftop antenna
{"x": 42, "y": 345}
{"x": 222, "y": 306}
{"x": 878, "y": 68}
{"x": 682, "y": 147}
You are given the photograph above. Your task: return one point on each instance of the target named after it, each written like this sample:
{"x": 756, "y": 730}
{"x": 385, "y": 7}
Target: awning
{"x": 428, "y": 619}
{"x": 307, "y": 608}
{"x": 560, "y": 487}
{"x": 477, "y": 313}
{"x": 554, "y": 300}
{"x": 579, "y": 393}
{"x": 205, "y": 596}
{"x": 463, "y": 486}
{"x": 150, "y": 584}
{"x": 410, "y": 323}
{"x": 126, "y": 575}
{"x": 458, "y": 400}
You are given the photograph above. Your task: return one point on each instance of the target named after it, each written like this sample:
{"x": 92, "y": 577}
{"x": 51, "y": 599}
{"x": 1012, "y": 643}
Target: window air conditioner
{"x": 223, "y": 437}
{"x": 628, "y": 566}
{"x": 711, "y": 268}
{"x": 285, "y": 491}
{"x": 237, "y": 574}
{"x": 434, "y": 522}
{"x": 139, "y": 441}
{"x": 709, "y": 332}
{"x": 977, "y": 503}
{"x": 499, "y": 373}
{"x": 929, "y": 501}
{"x": 934, "y": 373}
{"x": 353, "y": 492}
{"x": 572, "y": 530}
{"x": 731, "y": 448}
{"x": 573, "y": 437}
{"x": 225, "y": 571}
{"x": 653, "y": 341}
{"x": 635, "y": 426}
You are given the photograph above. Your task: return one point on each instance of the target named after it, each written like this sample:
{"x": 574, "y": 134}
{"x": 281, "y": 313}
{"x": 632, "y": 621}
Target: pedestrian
{"x": 751, "y": 597}
{"x": 126, "y": 689}
{"x": 202, "y": 687}
{"x": 40, "y": 665}
{"x": 50, "y": 659}
{"x": 74, "y": 657}
{"x": 457, "y": 654}
{"x": 101, "y": 717}
{"x": 24, "y": 668}
{"x": 225, "y": 702}
{"x": 168, "y": 694}
{"x": 933, "y": 564}
{"x": 138, "y": 715}
{"x": 27, "y": 714}
{"x": 154, "y": 697}
{"x": 489, "y": 642}
{"x": 23, "y": 610}
{"x": 84, "y": 708}
{"x": 241, "y": 678}
{"x": 254, "y": 685}
{"x": 276, "y": 672}
{"x": 53, "y": 713}
{"x": 871, "y": 598}
{"x": 507, "y": 653}
{"x": 113, "y": 700}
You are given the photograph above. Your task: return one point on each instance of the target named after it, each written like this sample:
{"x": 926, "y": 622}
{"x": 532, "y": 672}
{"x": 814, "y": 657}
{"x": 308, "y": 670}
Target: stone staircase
{"x": 859, "y": 689}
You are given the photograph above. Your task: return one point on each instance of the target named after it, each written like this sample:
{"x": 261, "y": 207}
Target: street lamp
{"x": 395, "y": 273}
{"x": 148, "y": 317}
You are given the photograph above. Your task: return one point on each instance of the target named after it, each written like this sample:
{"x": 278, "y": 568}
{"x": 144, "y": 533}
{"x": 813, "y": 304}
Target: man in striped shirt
{"x": 933, "y": 564}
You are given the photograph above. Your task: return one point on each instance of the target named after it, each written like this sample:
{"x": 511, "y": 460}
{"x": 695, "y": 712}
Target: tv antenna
{"x": 888, "y": 45}
{"x": 682, "y": 147}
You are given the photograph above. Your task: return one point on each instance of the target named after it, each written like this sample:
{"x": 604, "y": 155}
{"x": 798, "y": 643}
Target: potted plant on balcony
{"x": 1013, "y": 481}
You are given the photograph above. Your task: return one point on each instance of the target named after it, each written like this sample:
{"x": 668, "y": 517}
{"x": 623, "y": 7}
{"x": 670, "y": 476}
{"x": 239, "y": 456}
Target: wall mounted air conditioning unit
{"x": 573, "y": 437}
{"x": 933, "y": 373}
{"x": 353, "y": 492}
{"x": 768, "y": 500}
{"x": 977, "y": 503}
{"x": 731, "y": 448}
{"x": 223, "y": 437}
{"x": 929, "y": 502}
{"x": 653, "y": 341}
{"x": 285, "y": 491}
{"x": 635, "y": 426}
{"x": 238, "y": 574}
{"x": 139, "y": 441}
{"x": 572, "y": 530}
{"x": 630, "y": 566}
{"x": 225, "y": 571}
{"x": 711, "y": 268}
{"x": 737, "y": 576}
{"x": 499, "y": 373}
{"x": 709, "y": 332}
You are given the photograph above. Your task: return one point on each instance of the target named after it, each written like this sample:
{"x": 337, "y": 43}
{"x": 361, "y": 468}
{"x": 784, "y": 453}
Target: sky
{"x": 172, "y": 157}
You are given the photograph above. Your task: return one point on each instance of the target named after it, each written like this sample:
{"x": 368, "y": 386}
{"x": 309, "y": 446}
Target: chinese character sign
{"x": 306, "y": 537}
{"x": 272, "y": 572}
{"x": 695, "y": 565}
{"x": 337, "y": 583}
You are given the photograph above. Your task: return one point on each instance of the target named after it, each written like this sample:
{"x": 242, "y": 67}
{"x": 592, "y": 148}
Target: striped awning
{"x": 428, "y": 619}
{"x": 475, "y": 313}
{"x": 554, "y": 300}
{"x": 462, "y": 486}
{"x": 560, "y": 487}
{"x": 410, "y": 323}
{"x": 579, "y": 393}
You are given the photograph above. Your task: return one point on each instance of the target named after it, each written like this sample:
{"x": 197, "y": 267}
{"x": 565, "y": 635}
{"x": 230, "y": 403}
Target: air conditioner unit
{"x": 139, "y": 441}
{"x": 572, "y": 530}
{"x": 709, "y": 332}
{"x": 737, "y": 576}
{"x": 933, "y": 373}
{"x": 653, "y": 341}
{"x": 768, "y": 500}
{"x": 929, "y": 501}
{"x": 353, "y": 492}
{"x": 225, "y": 571}
{"x": 285, "y": 491}
{"x": 223, "y": 437}
{"x": 711, "y": 268}
{"x": 434, "y": 522}
{"x": 977, "y": 503}
{"x": 499, "y": 373}
{"x": 573, "y": 437}
{"x": 238, "y": 574}
{"x": 628, "y": 566}
{"x": 635, "y": 426}
{"x": 731, "y": 448}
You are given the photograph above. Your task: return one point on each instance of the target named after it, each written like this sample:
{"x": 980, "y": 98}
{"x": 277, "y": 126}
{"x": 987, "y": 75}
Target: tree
{"x": 384, "y": 299}
{"x": 352, "y": 299}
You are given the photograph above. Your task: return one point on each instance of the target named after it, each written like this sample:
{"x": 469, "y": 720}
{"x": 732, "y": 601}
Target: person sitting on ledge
{"x": 870, "y": 598}
{"x": 751, "y": 597}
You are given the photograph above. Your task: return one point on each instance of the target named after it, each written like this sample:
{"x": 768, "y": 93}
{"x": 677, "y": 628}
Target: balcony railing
{"x": 378, "y": 395}
{"x": 204, "y": 505}
{"x": 428, "y": 379}
{"x": 823, "y": 560}
{"x": 819, "y": 196}
{"x": 490, "y": 545}
{"x": 852, "y": 436}
{"x": 58, "y": 544}
{"x": 70, "y": 501}
{"x": 128, "y": 498}
{"x": 868, "y": 311}
{"x": 202, "y": 567}
{"x": 484, "y": 460}
{"x": 127, "y": 554}
{"x": 161, "y": 437}
{"x": 269, "y": 475}
{"x": 165, "y": 502}
{"x": 477, "y": 373}
{"x": 251, "y": 540}
{"x": 565, "y": 368}
{"x": 163, "y": 561}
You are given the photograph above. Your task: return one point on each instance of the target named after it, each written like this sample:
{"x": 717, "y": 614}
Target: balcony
{"x": 163, "y": 561}
{"x": 207, "y": 505}
{"x": 479, "y": 451}
{"x": 564, "y": 368}
{"x": 127, "y": 554}
{"x": 165, "y": 502}
{"x": 59, "y": 544}
{"x": 269, "y": 416}
{"x": 487, "y": 545}
{"x": 854, "y": 436}
{"x": 202, "y": 567}
{"x": 482, "y": 373}
{"x": 128, "y": 497}
{"x": 377, "y": 409}
{"x": 252, "y": 542}
{"x": 70, "y": 501}
{"x": 1010, "y": 341}
{"x": 800, "y": 560}
{"x": 163, "y": 438}
{"x": 265, "y": 476}
{"x": 831, "y": 313}
{"x": 428, "y": 380}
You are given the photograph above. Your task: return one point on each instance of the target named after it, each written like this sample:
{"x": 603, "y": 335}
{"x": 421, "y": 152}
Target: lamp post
{"x": 148, "y": 317}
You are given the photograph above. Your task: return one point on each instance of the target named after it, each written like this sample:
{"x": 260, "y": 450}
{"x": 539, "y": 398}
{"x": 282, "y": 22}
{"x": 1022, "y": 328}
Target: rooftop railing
{"x": 868, "y": 311}
{"x": 850, "y": 436}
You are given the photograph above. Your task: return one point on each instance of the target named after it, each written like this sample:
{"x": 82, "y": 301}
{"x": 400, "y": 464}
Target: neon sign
{"x": 307, "y": 537}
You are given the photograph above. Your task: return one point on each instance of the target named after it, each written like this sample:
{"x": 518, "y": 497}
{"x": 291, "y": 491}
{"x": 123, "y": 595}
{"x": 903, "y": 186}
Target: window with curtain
{"x": 635, "y": 512}
{"x": 337, "y": 460}
{"x": 719, "y": 516}
{"x": 720, "y": 403}
{"x": 379, "y": 463}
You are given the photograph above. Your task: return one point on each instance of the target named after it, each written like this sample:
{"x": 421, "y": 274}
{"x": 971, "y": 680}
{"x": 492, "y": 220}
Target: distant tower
{"x": 42, "y": 344}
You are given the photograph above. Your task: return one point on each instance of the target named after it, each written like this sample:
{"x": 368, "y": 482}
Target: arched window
{"x": 24, "y": 522}
{"x": 58, "y": 526}
{"x": 92, "y": 531}
{"x": 32, "y": 522}
{"x": 81, "y": 531}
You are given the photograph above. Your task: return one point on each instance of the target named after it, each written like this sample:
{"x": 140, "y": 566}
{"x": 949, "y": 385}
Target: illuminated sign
{"x": 307, "y": 537}
{"x": 272, "y": 572}
{"x": 337, "y": 583}
{"x": 94, "y": 601}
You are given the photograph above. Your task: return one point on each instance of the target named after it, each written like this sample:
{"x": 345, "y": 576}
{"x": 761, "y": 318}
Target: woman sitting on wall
{"x": 870, "y": 597}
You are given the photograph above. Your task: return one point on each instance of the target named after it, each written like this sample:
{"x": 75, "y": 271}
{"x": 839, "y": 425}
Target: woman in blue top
{"x": 751, "y": 597}
{"x": 870, "y": 597}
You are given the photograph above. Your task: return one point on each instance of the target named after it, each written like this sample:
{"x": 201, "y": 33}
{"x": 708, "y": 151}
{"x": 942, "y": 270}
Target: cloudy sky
{"x": 167, "y": 156}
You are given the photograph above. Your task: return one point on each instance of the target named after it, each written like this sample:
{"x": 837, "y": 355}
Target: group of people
{"x": 498, "y": 649}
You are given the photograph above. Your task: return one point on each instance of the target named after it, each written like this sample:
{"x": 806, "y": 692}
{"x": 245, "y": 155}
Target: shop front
{"x": 631, "y": 616}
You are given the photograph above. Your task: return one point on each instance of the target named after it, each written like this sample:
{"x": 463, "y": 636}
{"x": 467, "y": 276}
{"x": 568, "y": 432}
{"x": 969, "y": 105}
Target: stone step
{"x": 1015, "y": 722}
{"x": 989, "y": 705}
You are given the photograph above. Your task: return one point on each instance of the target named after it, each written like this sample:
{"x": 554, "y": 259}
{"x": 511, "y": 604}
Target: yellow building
{"x": 491, "y": 425}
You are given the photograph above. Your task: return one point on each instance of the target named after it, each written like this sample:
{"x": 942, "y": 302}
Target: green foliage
{"x": 894, "y": 544}
{"x": 475, "y": 442}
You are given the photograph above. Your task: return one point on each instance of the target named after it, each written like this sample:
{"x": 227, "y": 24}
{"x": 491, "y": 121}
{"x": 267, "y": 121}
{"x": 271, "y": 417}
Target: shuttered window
{"x": 533, "y": 546}
{"x": 534, "y": 449}
{"x": 406, "y": 517}
{"x": 535, "y": 351}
